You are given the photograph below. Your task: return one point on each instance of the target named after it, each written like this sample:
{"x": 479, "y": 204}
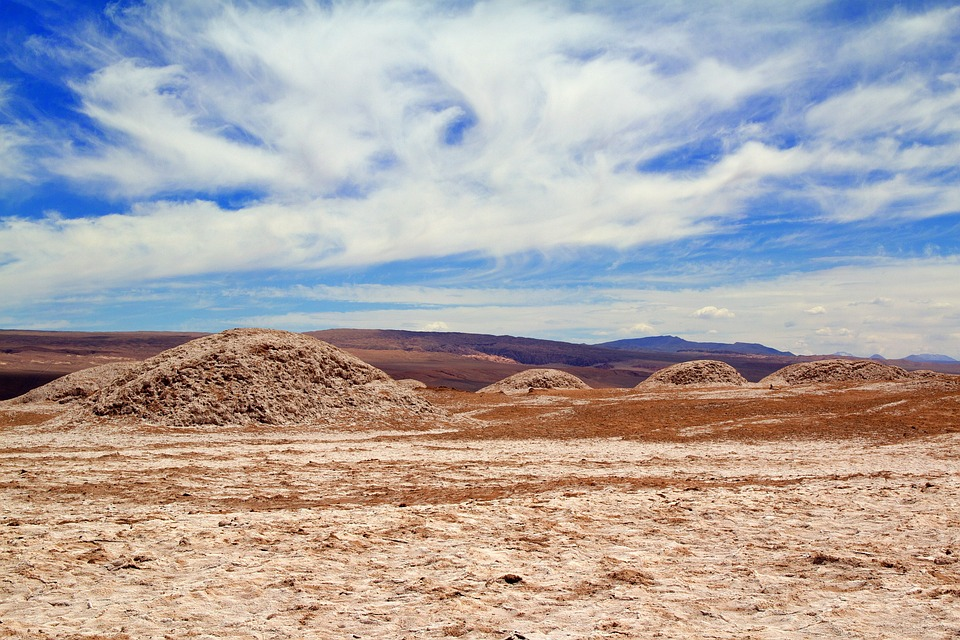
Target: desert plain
{"x": 806, "y": 511}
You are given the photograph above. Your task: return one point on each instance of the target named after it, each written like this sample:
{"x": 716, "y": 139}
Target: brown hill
{"x": 254, "y": 376}
{"x": 531, "y": 379}
{"x": 529, "y": 351}
{"x": 696, "y": 373}
{"x": 836, "y": 370}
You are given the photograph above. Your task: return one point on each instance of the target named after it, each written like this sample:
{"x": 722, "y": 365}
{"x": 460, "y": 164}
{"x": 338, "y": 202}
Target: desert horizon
{"x": 30, "y": 358}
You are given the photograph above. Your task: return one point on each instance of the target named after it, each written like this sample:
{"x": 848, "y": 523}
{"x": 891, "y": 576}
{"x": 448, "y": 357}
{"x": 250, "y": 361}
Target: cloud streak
{"x": 207, "y": 139}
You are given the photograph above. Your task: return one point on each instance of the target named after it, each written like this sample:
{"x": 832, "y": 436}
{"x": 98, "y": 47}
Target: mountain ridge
{"x": 674, "y": 344}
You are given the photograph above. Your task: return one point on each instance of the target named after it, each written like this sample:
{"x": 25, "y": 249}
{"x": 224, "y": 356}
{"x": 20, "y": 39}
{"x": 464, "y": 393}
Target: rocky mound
{"x": 526, "y": 381}
{"x": 76, "y": 385}
{"x": 835, "y": 371}
{"x": 696, "y": 373}
{"x": 254, "y": 376}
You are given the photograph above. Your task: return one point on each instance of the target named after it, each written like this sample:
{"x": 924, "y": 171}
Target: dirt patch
{"x": 884, "y": 413}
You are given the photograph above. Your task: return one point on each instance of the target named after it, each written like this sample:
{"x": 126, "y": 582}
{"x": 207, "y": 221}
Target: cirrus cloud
{"x": 381, "y": 146}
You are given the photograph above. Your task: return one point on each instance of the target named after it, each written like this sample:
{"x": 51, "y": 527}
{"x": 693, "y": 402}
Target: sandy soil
{"x": 748, "y": 513}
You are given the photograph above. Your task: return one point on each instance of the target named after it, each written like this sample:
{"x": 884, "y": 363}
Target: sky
{"x": 773, "y": 172}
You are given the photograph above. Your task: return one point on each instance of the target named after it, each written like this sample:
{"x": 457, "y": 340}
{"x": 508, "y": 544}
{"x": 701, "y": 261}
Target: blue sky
{"x": 785, "y": 173}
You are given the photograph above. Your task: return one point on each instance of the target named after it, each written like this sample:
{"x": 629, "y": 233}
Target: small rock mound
{"x": 526, "y": 381}
{"x": 696, "y": 373}
{"x": 835, "y": 371}
{"x": 76, "y": 385}
{"x": 254, "y": 376}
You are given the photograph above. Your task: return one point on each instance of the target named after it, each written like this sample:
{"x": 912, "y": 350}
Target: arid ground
{"x": 818, "y": 511}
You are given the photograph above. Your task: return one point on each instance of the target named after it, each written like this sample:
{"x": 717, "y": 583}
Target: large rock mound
{"x": 835, "y": 371}
{"x": 77, "y": 385}
{"x": 255, "y": 376}
{"x": 696, "y": 373}
{"x": 526, "y": 381}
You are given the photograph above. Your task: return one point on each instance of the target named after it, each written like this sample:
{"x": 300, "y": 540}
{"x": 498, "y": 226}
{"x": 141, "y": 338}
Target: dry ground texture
{"x": 741, "y": 512}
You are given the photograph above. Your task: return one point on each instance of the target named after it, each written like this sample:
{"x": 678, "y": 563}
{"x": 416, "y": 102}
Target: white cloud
{"x": 891, "y": 109}
{"x": 159, "y": 140}
{"x": 11, "y": 155}
{"x": 308, "y": 103}
{"x": 768, "y": 311}
{"x": 436, "y": 326}
{"x": 14, "y": 163}
{"x": 373, "y": 90}
{"x": 641, "y": 329}
{"x": 713, "y": 313}
{"x": 371, "y": 133}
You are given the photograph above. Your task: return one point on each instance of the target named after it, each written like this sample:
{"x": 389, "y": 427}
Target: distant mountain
{"x": 877, "y": 356}
{"x": 673, "y": 344}
{"x": 530, "y": 351}
{"x": 930, "y": 357}
{"x": 596, "y": 364}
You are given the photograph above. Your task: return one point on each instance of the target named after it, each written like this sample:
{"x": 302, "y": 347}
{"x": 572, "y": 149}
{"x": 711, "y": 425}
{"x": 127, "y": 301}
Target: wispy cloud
{"x": 313, "y": 139}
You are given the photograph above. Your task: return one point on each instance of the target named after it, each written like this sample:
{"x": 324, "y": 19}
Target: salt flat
{"x": 693, "y": 526}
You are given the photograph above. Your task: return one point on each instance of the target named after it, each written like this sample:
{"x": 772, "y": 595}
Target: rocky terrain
{"x": 696, "y": 373}
{"x": 253, "y": 376}
{"x": 829, "y": 508}
{"x": 835, "y": 370}
{"x": 527, "y": 381}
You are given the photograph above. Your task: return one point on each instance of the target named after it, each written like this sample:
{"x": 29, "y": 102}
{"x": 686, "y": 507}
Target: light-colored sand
{"x": 117, "y": 531}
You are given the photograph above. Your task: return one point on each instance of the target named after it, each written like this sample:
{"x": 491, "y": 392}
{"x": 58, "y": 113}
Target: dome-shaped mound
{"x": 254, "y": 376}
{"x": 525, "y": 381}
{"x": 835, "y": 371}
{"x": 76, "y": 385}
{"x": 696, "y": 373}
